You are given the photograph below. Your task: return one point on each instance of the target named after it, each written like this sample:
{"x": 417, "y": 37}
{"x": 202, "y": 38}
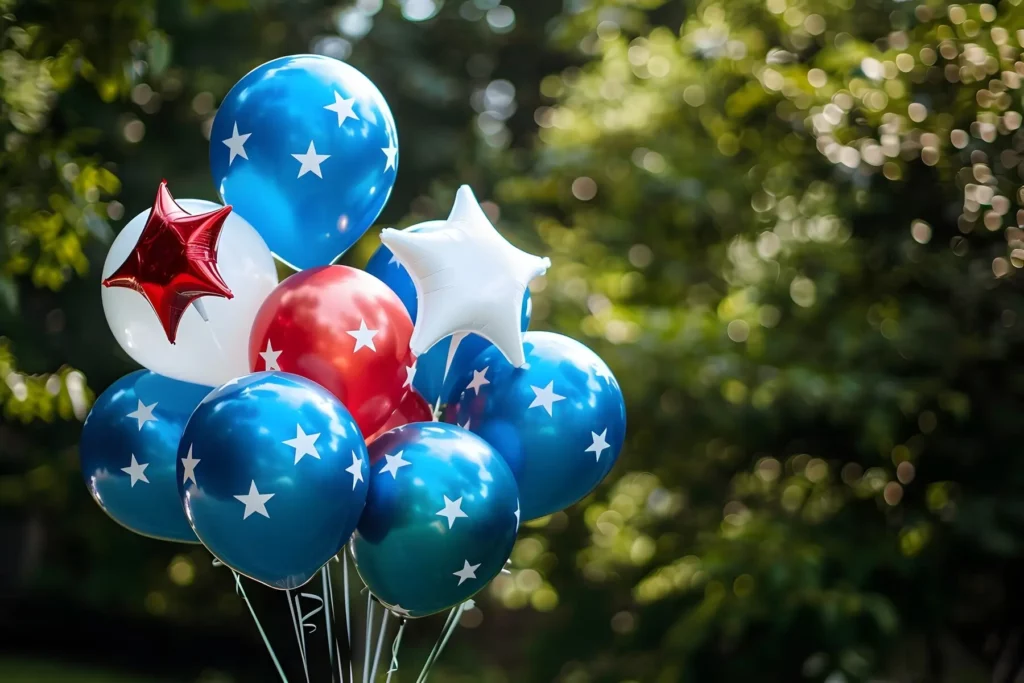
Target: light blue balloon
{"x": 438, "y": 370}
{"x": 273, "y": 473}
{"x": 129, "y": 451}
{"x": 305, "y": 149}
{"x": 559, "y": 421}
{"x": 440, "y": 520}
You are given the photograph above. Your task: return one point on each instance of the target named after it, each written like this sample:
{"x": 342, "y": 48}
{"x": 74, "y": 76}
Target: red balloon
{"x": 345, "y": 330}
{"x": 414, "y": 408}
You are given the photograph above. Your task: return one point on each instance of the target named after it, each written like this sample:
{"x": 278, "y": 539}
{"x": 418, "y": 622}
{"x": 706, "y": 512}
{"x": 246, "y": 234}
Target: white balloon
{"x": 468, "y": 278}
{"x": 209, "y": 353}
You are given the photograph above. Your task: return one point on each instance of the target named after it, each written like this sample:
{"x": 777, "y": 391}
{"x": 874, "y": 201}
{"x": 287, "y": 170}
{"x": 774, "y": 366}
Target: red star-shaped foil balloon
{"x": 175, "y": 260}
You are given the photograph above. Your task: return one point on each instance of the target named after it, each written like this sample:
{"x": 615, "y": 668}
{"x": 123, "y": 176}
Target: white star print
{"x": 452, "y": 510}
{"x": 391, "y": 152}
{"x": 355, "y": 469}
{"x": 466, "y": 426}
{"x": 270, "y": 357}
{"x": 137, "y": 471}
{"x": 410, "y": 375}
{"x": 394, "y": 259}
{"x": 546, "y": 397}
{"x": 600, "y": 445}
{"x": 343, "y": 108}
{"x": 400, "y": 611}
{"x": 393, "y": 464}
{"x": 479, "y": 379}
{"x": 236, "y": 145}
{"x": 363, "y": 336}
{"x": 255, "y": 502}
{"x": 311, "y": 161}
{"x": 143, "y": 413}
{"x": 467, "y": 572}
{"x": 190, "y": 467}
{"x": 517, "y": 515}
{"x": 304, "y": 444}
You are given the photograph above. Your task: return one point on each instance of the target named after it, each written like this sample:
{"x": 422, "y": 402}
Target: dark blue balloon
{"x": 306, "y": 150}
{"x": 273, "y": 474}
{"x": 129, "y": 452}
{"x": 440, "y": 520}
{"x": 385, "y": 267}
{"x": 438, "y": 370}
{"x": 559, "y": 421}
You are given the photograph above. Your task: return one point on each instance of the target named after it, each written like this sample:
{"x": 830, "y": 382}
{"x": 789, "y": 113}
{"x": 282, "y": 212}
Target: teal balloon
{"x": 440, "y": 521}
{"x": 129, "y": 452}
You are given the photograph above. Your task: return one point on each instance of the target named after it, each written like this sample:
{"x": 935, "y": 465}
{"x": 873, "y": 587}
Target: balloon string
{"x": 369, "y": 637}
{"x": 303, "y": 618}
{"x": 380, "y": 645}
{"x": 447, "y": 636}
{"x": 442, "y": 640}
{"x": 437, "y": 644}
{"x": 241, "y": 591}
{"x": 347, "y": 654}
{"x": 348, "y": 615}
{"x": 394, "y": 650}
{"x": 300, "y": 631}
{"x": 216, "y": 341}
{"x": 328, "y": 615}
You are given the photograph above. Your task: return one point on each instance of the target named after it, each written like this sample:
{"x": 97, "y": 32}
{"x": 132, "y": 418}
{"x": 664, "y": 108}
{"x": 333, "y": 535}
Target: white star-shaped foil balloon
{"x": 468, "y": 278}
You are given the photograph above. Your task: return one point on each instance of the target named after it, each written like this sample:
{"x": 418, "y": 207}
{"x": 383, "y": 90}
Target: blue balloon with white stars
{"x": 305, "y": 148}
{"x": 440, "y": 520}
{"x": 438, "y": 370}
{"x": 559, "y": 421}
{"x": 129, "y": 452}
{"x": 273, "y": 474}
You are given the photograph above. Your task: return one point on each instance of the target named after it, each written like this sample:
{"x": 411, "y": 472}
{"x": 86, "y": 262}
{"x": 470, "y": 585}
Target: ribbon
{"x": 394, "y": 650}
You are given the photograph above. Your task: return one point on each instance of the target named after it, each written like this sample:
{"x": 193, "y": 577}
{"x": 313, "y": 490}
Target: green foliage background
{"x": 790, "y": 227}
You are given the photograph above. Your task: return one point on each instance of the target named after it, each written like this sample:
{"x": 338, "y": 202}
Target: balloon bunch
{"x": 403, "y": 410}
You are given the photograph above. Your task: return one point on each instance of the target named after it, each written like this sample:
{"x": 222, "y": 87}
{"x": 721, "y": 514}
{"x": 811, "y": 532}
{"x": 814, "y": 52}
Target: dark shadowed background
{"x": 789, "y": 226}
